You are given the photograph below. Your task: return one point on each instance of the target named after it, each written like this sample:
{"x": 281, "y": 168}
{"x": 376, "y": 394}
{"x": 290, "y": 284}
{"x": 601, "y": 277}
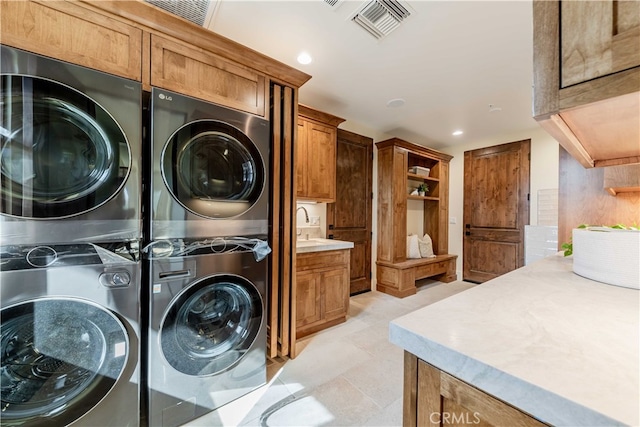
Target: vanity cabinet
{"x": 322, "y": 290}
{"x": 71, "y": 33}
{"x": 586, "y": 71}
{"x": 316, "y": 148}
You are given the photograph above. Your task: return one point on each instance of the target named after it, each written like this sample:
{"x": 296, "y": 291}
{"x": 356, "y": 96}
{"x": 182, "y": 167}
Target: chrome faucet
{"x": 306, "y": 214}
{"x": 306, "y": 219}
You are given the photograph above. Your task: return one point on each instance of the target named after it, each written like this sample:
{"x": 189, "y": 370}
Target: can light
{"x": 457, "y": 133}
{"x": 304, "y": 58}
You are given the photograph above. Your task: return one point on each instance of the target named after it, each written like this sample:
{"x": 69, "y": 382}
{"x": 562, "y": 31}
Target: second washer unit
{"x": 207, "y": 328}
{"x": 210, "y": 170}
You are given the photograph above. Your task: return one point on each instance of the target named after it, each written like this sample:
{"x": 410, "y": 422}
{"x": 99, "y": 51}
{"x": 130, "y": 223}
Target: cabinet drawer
{"x": 71, "y": 33}
{"x": 322, "y": 260}
{"x": 431, "y": 269}
{"x": 195, "y": 72}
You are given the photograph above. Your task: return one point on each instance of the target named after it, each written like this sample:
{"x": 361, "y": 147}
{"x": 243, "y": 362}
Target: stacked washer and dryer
{"x": 207, "y": 224}
{"x": 90, "y": 334}
{"x": 70, "y": 227}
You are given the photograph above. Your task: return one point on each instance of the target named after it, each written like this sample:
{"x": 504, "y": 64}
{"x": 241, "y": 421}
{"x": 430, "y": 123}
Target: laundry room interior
{"x": 200, "y": 227}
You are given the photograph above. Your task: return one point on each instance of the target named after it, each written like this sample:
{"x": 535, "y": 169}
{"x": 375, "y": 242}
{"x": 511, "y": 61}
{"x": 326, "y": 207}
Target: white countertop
{"x": 560, "y": 347}
{"x": 318, "y": 244}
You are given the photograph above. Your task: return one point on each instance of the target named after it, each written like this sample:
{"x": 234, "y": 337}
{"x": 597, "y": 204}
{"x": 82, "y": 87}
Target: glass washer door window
{"x": 62, "y": 154}
{"x": 213, "y": 169}
{"x": 211, "y": 325}
{"x": 60, "y": 357}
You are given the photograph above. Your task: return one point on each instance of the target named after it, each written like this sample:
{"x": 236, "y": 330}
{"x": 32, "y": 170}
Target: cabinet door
{"x": 201, "y": 74}
{"x": 335, "y": 293}
{"x": 316, "y": 161}
{"x": 598, "y": 38}
{"x": 308, "y": 293}
{"x": 75, "y": 34}
{"x": 321, "y": 166}
{"x": 301, "y": 160}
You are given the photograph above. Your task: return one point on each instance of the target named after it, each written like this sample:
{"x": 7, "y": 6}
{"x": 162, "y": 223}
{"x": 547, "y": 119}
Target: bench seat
{"x": 399, "y": 278}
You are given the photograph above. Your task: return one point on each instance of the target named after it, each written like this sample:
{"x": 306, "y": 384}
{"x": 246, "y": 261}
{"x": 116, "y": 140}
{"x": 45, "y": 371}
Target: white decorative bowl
{"x": 607, "y": 255}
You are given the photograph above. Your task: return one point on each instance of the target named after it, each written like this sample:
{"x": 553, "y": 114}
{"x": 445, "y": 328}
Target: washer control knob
{"x": 119, "y": 279}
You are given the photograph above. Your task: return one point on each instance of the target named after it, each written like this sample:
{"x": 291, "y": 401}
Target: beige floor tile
{"x": 347, "y": 375}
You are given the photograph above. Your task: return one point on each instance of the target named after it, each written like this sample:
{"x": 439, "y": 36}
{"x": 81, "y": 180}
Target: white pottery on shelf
{"x": 607, "y": 255}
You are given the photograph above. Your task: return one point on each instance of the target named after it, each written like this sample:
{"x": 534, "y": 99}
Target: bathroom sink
{"x": 319, "y": 244}
{"x": 312, "y": 242}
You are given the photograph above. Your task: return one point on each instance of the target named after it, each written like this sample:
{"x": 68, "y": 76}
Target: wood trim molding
{"x": 319, "y": 116}
{"x": 419, "y": 149}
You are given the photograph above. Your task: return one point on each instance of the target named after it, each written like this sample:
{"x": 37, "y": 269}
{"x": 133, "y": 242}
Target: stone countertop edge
{"x": 329, "y": 245}
{"x": 501, "y": 370}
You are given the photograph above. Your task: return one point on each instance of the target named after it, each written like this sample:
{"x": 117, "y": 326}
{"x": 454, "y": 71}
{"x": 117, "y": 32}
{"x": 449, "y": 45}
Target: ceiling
{"x": 456, "y": 64}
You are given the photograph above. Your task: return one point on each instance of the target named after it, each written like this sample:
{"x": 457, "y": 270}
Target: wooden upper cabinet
{"x": 598, "y": 38}
{"x": 316, "y": 155}
{"x": 69, "y": 32}
{"x": 196, "y": 72}
{"x": 586, "y": 72}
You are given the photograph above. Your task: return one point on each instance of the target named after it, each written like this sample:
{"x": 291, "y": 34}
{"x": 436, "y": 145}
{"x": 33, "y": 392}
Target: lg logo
{"x": 165, "y": 97}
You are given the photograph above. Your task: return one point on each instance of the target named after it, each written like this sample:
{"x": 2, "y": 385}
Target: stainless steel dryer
{"x": 207, "y": 331}
{"x": 70, "y": 152}
{"x": 210, "y": 169}
{"x": 69, "y": 340}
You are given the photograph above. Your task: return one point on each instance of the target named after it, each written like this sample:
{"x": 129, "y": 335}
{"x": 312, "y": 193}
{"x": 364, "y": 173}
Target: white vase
{"x": 607, "y": 255}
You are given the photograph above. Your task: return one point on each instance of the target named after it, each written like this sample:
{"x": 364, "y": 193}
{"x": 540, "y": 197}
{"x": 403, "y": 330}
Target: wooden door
{"x": 349, "y": 218}
{"x": 496, "y": 209}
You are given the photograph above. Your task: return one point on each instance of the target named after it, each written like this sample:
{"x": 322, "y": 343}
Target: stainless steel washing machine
{"x": 69, "y": 340}
{"x": 210, "y": 169}
{"x": 207, "y": 331}
{"x": 70, "y": 152}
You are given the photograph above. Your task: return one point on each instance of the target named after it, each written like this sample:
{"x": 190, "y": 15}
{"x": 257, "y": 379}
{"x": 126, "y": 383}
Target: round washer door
{"x": 213, "y": 169}
{"x": 60, "y": 358}
{"x": 211, "y": 325}
{"x": 62, "y": 153}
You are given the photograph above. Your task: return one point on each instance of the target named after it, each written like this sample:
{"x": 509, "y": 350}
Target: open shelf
{"x": 416, "y": 177}
{"x": 422, "y": 198}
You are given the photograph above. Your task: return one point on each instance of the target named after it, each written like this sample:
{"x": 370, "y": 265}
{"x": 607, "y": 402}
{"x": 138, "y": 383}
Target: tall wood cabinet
{"x": 396, "y": 274}
{"x": 586, "y": 73}
{"x": 316, "y": 155}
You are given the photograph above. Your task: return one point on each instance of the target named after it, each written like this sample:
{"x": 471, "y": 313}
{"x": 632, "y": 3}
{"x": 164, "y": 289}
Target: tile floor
{"x": 347, "y": 375}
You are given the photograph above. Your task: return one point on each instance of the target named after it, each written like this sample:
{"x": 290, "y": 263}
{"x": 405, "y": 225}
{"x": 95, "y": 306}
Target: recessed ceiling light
{"x": 394, "y": 103}
{"x": 457, "y": 133}
{"x": 304, "y": 58}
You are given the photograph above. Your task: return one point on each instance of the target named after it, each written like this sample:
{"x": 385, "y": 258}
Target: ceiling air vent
{"x": 331, "y": 3}
{"x": 380, "y": 17}
{"x": 191, "y": 10}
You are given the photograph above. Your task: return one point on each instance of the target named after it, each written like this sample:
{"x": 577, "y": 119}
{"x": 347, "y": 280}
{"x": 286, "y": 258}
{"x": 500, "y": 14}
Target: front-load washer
{"x": 70, "y": 141}
{"x": 210, "y": 168}
{"x": 69, "y": 340}
{"x": 207, "y": 330}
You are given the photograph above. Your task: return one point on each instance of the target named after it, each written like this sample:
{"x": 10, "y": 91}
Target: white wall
{"x": 543, "y": 174}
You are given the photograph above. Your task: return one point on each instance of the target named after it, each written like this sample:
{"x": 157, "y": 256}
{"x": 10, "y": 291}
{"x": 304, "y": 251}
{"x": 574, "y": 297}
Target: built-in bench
{"x": 399, "y": 278}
